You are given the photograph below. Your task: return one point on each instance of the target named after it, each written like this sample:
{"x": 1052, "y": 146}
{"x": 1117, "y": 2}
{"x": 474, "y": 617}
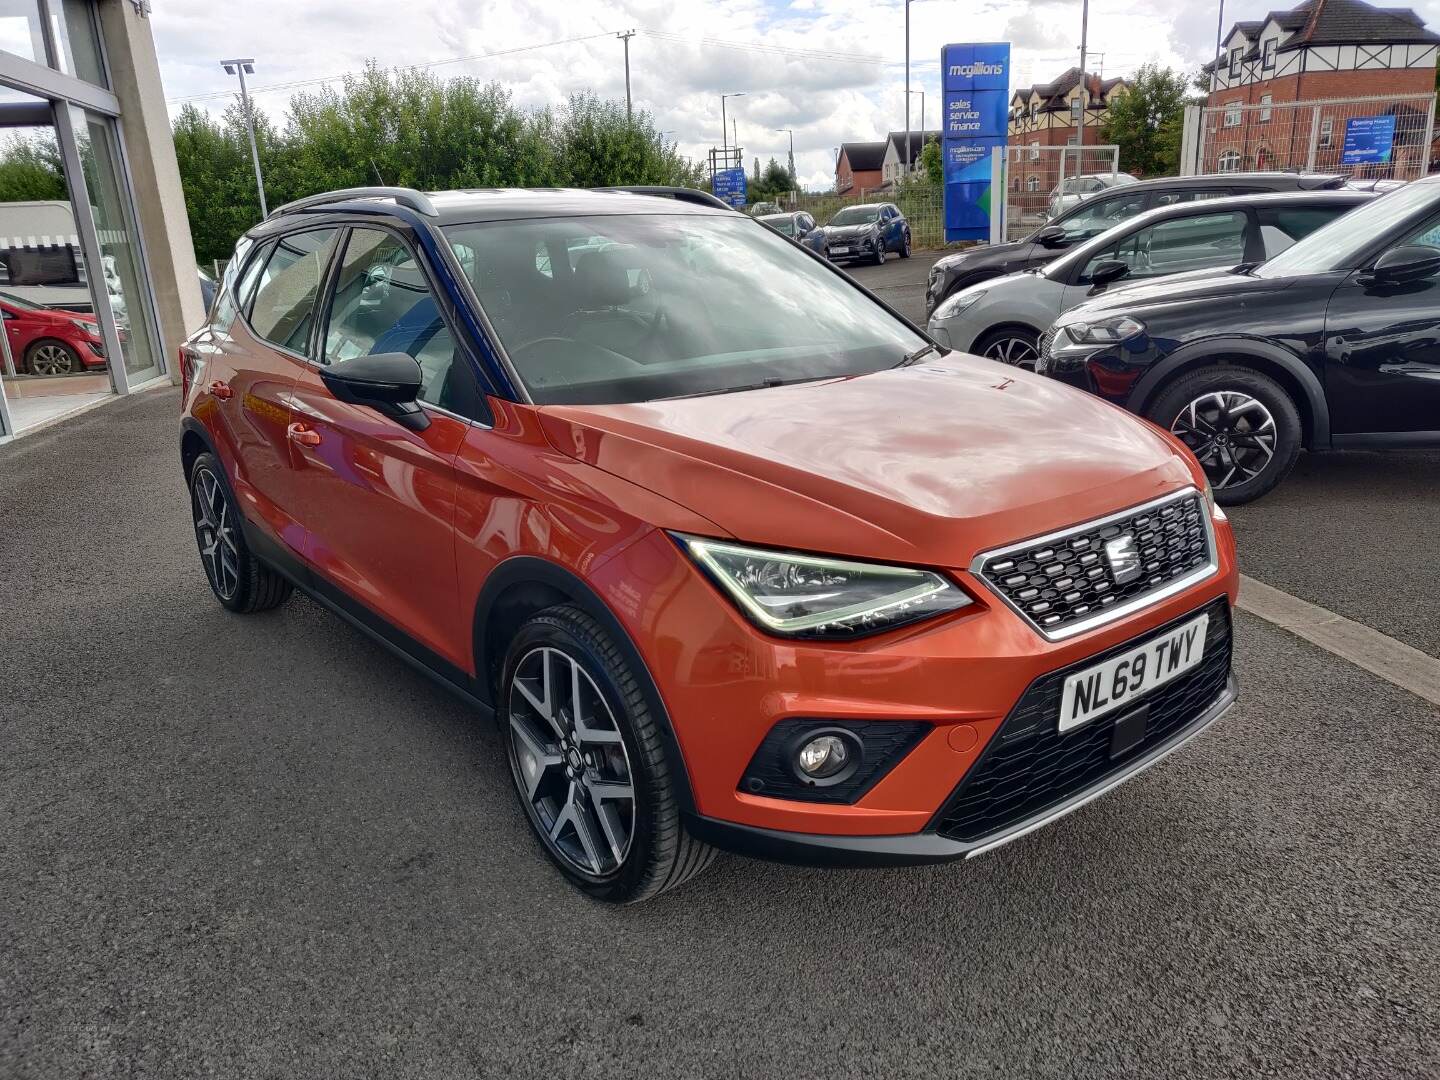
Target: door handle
{"x": 221, "y": 390}
{"x": 302, "y": 435}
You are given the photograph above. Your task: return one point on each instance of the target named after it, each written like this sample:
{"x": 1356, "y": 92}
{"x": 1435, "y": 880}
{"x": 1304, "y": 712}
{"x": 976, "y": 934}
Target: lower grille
{"x": 1030, "y": 767}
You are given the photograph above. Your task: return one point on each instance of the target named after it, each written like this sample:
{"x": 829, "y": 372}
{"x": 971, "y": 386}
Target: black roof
{"x": 1337, "y": 22}
{"x": 864, "y": 156}
{"x": 918, "y": 139}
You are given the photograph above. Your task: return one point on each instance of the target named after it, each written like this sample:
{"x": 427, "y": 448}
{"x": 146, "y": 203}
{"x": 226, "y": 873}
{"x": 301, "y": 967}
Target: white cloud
{"x": 825, "y": 101}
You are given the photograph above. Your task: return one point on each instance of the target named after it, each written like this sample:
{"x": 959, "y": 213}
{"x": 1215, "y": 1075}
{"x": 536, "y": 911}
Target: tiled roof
{"x": 918, "y": 139}
{"x": 1067, "y": 82}
{"x": 864, "y": 156}
{"x": 1337, "y": 22}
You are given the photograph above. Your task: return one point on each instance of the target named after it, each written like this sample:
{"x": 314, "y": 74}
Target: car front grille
{"x": 1029, "y": 766}
{"x": 1067, "y": 582}
{"x": 1045, "y": 339}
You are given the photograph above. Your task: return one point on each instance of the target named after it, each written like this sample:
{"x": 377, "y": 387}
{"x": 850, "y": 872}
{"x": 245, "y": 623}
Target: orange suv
{"x": 733, "y": 554}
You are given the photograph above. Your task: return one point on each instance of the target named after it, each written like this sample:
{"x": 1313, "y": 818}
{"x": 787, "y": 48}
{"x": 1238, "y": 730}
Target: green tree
{"x": 30, "y": 169}
{"x": 931, "y": 162}
{"x": 771, "y": 183}
{"x": 1145, "y": 121}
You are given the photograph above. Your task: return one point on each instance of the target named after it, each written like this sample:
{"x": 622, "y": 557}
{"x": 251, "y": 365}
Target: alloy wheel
{"x": 570, "y": 763}
{"x": 215, "y": 531}
{"x": 51, "y": 360}
{"x": 1018, "y": 351}
{"x": 1232, "y": 434}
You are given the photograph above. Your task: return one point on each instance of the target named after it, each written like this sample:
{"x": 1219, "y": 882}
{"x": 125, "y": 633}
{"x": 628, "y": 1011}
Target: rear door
{"x": 1382, "y": 352}
{"x": 257, "y": 344}
{"x": 379, "y": 499}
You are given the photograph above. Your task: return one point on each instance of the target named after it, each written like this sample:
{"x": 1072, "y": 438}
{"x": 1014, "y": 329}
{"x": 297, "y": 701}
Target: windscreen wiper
{"x": 913, "y": 357}
{"x": 763, "y": 384}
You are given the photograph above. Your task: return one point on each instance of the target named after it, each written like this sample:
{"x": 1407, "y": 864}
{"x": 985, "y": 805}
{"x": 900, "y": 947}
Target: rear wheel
{"x": 905, "y": 245}
{"x": 589, "y": 762}
{"x": 1241, "y": 424}
{"x": 1012, "y": 345}
{"x": 51, "y": 357}
{"x": 239, "y": 580}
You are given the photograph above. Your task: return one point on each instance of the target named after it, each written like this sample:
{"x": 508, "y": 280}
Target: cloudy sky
{"x": 832, "y": 70}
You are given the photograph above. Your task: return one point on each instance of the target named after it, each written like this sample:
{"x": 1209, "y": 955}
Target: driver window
{"x": 383, "y": 303}
{"x": 1172, "y": 247}
{"x": 1096, "y": 217}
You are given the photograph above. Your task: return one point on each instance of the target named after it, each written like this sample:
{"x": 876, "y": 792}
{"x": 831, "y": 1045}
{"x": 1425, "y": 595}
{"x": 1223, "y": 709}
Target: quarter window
{"x": 383, "y": 304}
{"x": 284, "y": 307}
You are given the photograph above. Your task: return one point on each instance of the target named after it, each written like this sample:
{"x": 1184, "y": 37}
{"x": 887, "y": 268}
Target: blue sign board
{"x": 1368, "y": 140}
{"x": 730, "y": 186}
{"x": 975, "y": 113}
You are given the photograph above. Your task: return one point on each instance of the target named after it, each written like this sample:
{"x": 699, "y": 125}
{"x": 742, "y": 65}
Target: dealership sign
{"x": 729, "y": 185}
{"x": 1368, "y": 140}
{"x": 975, "y": 111}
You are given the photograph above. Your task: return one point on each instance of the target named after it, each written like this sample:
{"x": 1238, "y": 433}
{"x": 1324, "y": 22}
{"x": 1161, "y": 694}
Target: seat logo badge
{"x": 1124, "y": 558}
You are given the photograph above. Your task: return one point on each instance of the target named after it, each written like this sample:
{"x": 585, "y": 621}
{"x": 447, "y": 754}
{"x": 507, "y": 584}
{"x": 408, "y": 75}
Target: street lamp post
{"x": 791, "y": 133}
{"x": 922, "y": 117}
{"x": 243, "y": 68}
{"x": 908, "y": 156}
{"x": 724, "y": 124}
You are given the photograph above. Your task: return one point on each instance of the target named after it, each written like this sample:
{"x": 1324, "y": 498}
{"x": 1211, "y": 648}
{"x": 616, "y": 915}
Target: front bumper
{"x": 812, "y": 849}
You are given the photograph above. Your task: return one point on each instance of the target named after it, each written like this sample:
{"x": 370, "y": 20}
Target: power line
{"x": 761, "y": 47}
{"x": 295, "y": 84}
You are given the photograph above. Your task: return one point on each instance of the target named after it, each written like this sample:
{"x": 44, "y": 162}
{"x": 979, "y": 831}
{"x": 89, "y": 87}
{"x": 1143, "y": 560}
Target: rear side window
{"x": 235, "y": 286}
{"x": 1279, "y": 228}
{"x": 284, "y": 306}
{"x": 1094, "y": 218}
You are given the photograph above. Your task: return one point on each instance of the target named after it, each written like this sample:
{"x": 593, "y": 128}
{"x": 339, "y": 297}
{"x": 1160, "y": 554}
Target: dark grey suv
{"x": 1093, "y": 216}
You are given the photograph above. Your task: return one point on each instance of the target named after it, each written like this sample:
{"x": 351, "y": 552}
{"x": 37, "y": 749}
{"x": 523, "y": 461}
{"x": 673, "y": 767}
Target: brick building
{"x": 1283, "y": 87}
{"x": 1048, "y": 114}
{"x": 858, "y": 169}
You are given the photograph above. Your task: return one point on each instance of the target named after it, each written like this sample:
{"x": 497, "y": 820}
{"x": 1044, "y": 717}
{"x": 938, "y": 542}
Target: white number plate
{"x": 1109, "y": 686}
{"x": 840, "y": 250}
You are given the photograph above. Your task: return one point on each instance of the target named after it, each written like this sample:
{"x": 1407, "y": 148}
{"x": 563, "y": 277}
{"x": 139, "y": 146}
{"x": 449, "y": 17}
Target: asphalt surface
{"x": 264, "y": 847}
{"x": 1355, "y": 532}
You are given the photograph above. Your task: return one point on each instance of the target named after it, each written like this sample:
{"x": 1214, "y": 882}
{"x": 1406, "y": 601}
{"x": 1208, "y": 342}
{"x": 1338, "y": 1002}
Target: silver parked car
{"x": 1074, "y": 190}
{"x": 1003, "y": 318}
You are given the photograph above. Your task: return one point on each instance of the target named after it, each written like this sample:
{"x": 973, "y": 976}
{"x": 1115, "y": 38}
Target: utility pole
{"x": 1219, "y": 29}
{"x": 724, "y": 124}
{"x": 625, "y": 37}
{"x": 906, "y": 157}
{"x": 243, "y": 68}
{"x": 1084, "y": 86}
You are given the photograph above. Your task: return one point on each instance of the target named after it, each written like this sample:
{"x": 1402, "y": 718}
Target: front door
{"x": 1382, "y": 353}
{"x": 379, "y": 499}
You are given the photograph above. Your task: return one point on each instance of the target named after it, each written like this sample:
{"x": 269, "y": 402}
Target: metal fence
{"x": 1309, "y": 136}
{"x": 1035, "y": 176}
{"x": 922, "y": 204}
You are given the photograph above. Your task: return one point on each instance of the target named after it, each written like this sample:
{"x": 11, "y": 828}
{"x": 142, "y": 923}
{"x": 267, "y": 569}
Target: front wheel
{"x": 52, "y": 357}
{"x": 879, "y": 253}
{"x": 589, "y": 762}
{"x": 905, "y": 245}
{"x": 1241, "y": 424}
{"x": 1010, "y": 345}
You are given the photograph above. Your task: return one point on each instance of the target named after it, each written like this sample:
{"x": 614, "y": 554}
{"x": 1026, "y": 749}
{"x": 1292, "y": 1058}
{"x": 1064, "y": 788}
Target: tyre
{"x": 589, "y": 761}
{"x": 239, "y": 580}
{"x": 1012, "y": 345}
{"x": 1241, "y": 424}
{"x": 49, "y": 356}
{"x": 905, "y": 245}
{"x": 879, "y": 253}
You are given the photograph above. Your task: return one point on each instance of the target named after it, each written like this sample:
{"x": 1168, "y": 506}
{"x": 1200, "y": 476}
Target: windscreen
{"x": 856, "y": 215}
{"x": 602, "y": 310}
{"x": 1339, "y": 245}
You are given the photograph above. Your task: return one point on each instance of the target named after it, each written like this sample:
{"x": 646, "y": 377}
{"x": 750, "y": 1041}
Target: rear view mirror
{"x": 1052, "y": 236}
{"x": 1410, "y": 262}
{"x": 1108, "y": 271}
{"x": 389, "y": 383}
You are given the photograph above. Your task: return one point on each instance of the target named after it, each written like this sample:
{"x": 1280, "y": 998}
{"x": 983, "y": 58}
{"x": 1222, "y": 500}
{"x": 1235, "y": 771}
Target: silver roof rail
{"x": 403, "y": 196}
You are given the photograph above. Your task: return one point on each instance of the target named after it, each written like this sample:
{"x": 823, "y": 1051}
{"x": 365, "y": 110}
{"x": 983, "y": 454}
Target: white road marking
{"x": 1394, "y": 661}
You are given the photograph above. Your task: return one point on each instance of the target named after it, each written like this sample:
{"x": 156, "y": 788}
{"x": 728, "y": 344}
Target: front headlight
{"x": 957, "y": 303}
{"x": 88, "y": 329}
{"x": 812, "y": 596}
{"x": 1104, "y": 331}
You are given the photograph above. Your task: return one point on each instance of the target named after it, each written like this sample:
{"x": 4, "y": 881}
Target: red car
{"x": 733, "y": 554}
{"x": 44, "y": 341}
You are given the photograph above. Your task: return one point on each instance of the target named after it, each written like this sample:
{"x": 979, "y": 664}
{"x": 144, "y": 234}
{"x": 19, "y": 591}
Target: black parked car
{"x": 867, "y": 232}
{"x": 800, "y": 227}
{"x": 1097, "y": 214}
{"x": 1333, "y": 343}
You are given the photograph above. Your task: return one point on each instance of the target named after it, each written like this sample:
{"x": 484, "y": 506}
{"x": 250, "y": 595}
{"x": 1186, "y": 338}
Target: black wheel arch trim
{"x": 1152, "y": 383}
{"x": 523, "y": 570}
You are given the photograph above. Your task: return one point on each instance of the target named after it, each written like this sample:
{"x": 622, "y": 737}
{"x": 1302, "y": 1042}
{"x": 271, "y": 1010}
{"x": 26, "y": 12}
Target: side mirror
{"x": 1108, "y": 271}
{"x": 1052, "y": 236}
{"x": 1411, "y": 262}
{"x": 389, "y": 383}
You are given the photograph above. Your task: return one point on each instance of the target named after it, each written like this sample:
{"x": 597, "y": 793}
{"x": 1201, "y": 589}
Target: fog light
{"x": 823, "y": 756}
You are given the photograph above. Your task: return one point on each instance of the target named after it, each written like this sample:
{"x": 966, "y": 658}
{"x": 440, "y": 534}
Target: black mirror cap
{"x": 1108, "y": 271}
{"x": 1409, "y": 262}
{"x": 389, "y": 383}
{"x": 1052, "y": 236}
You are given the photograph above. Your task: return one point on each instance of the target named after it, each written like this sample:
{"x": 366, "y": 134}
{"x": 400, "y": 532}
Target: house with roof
{"x": 1048, "y": 114}
{"x": 859, "y": 168}
{"x": 1283, "y": 87}
{"x": 893, "y": 165}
